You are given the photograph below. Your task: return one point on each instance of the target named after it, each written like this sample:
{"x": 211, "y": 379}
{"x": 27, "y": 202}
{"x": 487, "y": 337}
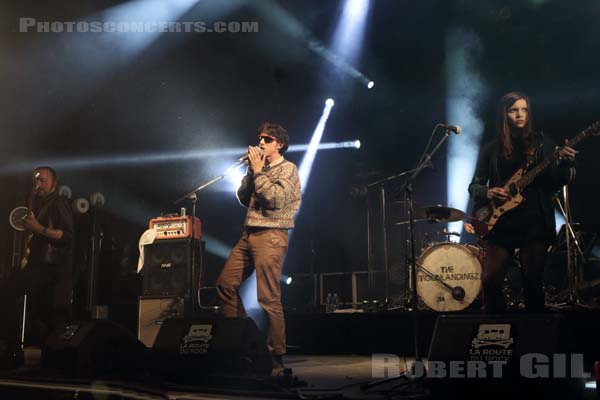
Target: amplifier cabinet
{"x": 168, "y": 269}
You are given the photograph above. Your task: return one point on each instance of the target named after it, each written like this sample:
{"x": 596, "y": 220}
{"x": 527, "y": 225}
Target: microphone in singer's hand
{"x": 244, "y": 158}
{"x": 454, "y": 128}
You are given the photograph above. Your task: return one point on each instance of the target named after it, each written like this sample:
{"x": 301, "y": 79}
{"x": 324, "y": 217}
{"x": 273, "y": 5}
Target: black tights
{"x": 533, "y": 259}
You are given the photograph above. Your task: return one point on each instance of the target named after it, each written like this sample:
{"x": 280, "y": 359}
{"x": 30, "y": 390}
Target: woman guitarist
{"x": 530, "y": 227}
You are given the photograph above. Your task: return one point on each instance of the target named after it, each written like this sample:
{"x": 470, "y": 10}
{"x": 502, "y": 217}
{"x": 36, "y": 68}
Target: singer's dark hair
{"x": 51, "y": 170}
{"x": 278, "y": 132}
{"x": 503, "y": 127}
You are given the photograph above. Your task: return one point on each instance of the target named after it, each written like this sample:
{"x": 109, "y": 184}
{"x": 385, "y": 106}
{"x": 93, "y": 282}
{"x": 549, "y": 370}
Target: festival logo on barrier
{"x": 197, "y": 340}
{"x": 492, "y": 343}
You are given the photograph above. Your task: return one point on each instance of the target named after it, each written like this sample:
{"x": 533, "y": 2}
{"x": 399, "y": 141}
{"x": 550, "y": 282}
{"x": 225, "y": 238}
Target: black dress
{"x": 526, "y": 222}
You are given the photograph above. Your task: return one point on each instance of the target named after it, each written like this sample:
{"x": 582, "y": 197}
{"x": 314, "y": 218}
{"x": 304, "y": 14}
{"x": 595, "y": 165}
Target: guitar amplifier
{"x": 175, "y": 227}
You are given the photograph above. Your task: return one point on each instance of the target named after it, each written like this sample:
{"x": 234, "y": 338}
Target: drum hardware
{"x": 439, "y": 213}
{"x": 574, "y": 253}
{"x": 447, "y": 233}
{"x": 380, "y": 186}
{"x": 436, "y": 213}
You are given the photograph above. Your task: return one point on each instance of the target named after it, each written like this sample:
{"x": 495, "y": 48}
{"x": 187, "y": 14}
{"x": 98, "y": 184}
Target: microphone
{"x": 244, "y": 158}
{"x": 454, "y": 128}
{"x": 37, "y": 184}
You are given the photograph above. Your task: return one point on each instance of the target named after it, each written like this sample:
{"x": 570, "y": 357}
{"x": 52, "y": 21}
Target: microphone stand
{"x": 409, "y": 189}
{"x": 192, "y": 195}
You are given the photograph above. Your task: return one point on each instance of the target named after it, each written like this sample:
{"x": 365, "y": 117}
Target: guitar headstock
{"x": 592, "y": 130}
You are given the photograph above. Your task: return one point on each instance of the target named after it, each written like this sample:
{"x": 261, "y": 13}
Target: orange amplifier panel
{"x": 175, "y": 227}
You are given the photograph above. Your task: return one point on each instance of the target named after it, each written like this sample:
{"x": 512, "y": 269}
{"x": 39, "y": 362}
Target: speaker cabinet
{"x": 94, "y": 349}
{"x": 168, "y": 269}
{"x": 208, "y": 347}
{"x": 153, "y": 312}
{"x": 494, "y": 357}
{"x": 473, "y": 337}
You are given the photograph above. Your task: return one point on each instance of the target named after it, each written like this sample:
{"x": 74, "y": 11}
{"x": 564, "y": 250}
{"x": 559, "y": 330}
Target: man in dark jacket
{"x": 45, "y": 273}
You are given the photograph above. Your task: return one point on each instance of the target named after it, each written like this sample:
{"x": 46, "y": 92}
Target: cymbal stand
{"x": 574, "y": 252}
{"x": 380, "y": 185}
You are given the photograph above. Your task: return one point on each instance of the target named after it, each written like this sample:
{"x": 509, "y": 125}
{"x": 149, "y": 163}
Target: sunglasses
{"x": 267, "y": 139}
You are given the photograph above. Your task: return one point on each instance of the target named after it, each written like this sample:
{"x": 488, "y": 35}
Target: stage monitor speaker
{"x": 505, "y": 344}
{"x": 469, "y": 337}
{"x": 205, "y": 348}
{"x": 94, "y": 349}
{"x": 167, "y": 268}
{"x": 153, "y": 312}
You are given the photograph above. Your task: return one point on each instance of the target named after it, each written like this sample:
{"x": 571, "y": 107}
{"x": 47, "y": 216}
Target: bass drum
{"x": 448, "y": 277}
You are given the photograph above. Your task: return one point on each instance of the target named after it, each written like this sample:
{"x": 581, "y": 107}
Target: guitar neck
{"x": 538, "y": 169}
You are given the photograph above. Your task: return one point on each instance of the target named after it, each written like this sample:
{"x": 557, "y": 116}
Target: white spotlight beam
{"x": 288, "y": 24}
{"x": 136, "y": 22}
{"x": 339, "y": 62}
{"x": 108, "y": 160}
{"x": 348, "y": 36}
{"x": 309, "y": 157}
{"x": 465, "y": 90}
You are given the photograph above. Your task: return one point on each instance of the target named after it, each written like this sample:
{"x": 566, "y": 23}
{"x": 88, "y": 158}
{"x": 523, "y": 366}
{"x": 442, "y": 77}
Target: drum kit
{"x": 448, "y": 273}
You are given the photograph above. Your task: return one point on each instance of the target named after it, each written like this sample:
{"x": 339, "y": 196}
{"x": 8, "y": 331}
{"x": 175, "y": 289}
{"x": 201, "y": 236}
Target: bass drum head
{"x": 453, "y": 265}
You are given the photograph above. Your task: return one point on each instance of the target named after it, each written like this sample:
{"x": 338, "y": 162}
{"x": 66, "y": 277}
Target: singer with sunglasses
{"x": 271, "y": 192}
{"x": 45, "y": 273}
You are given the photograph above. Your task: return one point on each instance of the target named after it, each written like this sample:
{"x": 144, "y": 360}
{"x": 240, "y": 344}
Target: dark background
{"x": 66, "y": 96}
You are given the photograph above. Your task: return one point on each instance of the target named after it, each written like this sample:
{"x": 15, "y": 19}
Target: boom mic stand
{"x": 192, "y": 195}
{"x": 409, "y": 189}
{"x": 417, "y": 367}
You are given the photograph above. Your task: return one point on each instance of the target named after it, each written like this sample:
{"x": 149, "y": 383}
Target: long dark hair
{"x": 503, "y": 127}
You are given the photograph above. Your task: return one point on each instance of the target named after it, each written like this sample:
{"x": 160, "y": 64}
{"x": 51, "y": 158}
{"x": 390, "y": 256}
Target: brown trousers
{"x": 262, "y": 250}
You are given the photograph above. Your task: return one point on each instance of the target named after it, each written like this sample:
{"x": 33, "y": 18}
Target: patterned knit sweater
{"x": 272, "y": 196}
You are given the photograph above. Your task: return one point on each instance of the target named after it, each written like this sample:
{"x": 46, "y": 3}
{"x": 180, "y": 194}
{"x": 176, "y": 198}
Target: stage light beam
{"x": 102, "y": 161}
{"x": 309, "y": 157}
{"x": 350, "y": 30}
{"x": 465, "y": 90}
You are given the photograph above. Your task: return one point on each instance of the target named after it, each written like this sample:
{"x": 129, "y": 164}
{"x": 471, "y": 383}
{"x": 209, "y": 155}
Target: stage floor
{"x": 318, "y": 377}
{"x": 331, "y": 356}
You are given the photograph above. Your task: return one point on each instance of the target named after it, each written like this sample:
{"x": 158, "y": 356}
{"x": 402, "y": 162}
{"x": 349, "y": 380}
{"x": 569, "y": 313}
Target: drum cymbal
{"x": 439, "y": 213}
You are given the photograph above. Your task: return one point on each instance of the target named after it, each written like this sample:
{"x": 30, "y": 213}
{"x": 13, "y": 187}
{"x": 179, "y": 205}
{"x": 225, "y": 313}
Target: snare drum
{"x": 448, "y": 277}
